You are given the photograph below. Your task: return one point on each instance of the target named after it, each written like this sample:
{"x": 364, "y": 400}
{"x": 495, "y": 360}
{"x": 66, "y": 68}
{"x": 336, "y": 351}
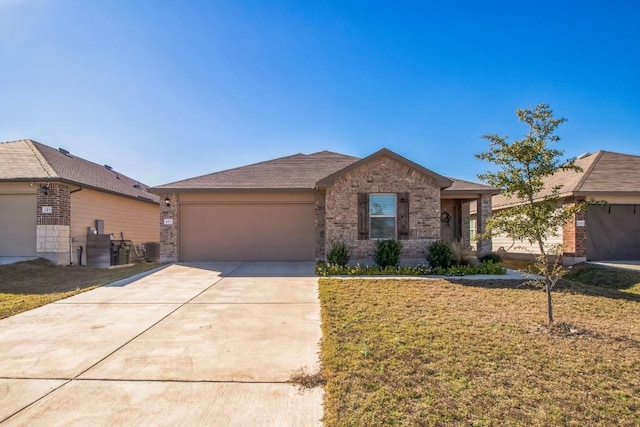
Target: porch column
{"x": 484, "y": 246}
{"x": 169, "y": 227}
{"x": 53, "y": 220}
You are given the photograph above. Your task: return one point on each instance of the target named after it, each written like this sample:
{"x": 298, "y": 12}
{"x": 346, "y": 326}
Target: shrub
{"x": 339, "y": 254}
{"x": 387, "y": 253}
{"x": 439, "y": 255}
{"x": 493, "y": 257}
{"x": 461, "y": 252}
{"x": 323, "y": 270}
{"x": 489, "y": 267}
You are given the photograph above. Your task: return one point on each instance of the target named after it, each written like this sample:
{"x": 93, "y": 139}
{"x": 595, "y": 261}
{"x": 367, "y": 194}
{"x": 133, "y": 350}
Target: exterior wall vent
{"x": 65, "y": 152}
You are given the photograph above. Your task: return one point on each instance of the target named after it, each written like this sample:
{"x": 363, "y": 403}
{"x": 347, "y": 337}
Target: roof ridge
{"x": 46, "y": 166}
{"x": 586, "y": 173}
{"x": 251, "y": 165}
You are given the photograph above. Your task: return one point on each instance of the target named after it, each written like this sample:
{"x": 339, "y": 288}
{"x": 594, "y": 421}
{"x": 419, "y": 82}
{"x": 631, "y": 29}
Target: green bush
{"x": 439, "y": 255}
{"x": 490, "y": 267}
{"x": 339, "y": 254}
{"x": 492, "y": 256}
{"x": 323, "y": 269}
{"x": 387, "y": 253}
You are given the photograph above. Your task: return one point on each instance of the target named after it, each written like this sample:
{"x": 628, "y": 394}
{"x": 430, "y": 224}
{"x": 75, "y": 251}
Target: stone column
{"x": 320, "y": 209}
{"x": 484, "y": 209}
{"x": 169, "y": 221}
{"x": 53, "y": 220}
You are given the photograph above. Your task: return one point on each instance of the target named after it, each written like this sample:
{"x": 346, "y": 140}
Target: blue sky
{"x": 166, "y": 90}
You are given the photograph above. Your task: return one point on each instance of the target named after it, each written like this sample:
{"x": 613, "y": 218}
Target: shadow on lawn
{"x": 564, "y": 285}
{"x": 39, "y": 277}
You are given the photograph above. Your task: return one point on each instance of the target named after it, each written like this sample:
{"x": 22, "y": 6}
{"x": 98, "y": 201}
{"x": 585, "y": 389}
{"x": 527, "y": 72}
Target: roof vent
{"x": 107, "y": 167}
{"x": 65, "y": 152}
{"x": 583, "y": 155}
{"x": 137, "y": 185}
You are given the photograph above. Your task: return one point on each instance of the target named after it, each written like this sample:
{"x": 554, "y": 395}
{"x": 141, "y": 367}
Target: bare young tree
{"x": 537, "y": 213}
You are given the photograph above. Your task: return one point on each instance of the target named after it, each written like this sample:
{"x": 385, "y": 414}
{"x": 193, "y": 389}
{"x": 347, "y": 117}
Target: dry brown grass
{"x": 27, "y": 285}
{"x": 434, "y": 352}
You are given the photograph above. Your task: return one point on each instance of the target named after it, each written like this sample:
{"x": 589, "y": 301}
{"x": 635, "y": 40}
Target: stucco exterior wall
{"x": 382, "y": 175}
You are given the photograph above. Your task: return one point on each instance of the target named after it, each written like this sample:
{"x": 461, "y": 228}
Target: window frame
{"x": 394, "y": 216}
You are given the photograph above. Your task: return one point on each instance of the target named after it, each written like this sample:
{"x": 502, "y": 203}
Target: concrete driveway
{"x": 193, "y": 344}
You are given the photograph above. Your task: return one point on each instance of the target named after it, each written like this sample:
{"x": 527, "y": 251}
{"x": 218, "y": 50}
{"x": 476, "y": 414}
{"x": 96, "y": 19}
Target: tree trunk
{"x": 549, "y": 304}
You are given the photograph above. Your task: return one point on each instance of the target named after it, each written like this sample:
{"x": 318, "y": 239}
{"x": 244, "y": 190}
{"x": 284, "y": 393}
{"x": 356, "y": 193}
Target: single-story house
{"x": 295, "y": 207}
{"x": 606, "y": 231}
{"x": 50, "y": 199}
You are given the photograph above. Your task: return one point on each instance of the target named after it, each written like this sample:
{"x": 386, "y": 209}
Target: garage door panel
{"x": 18, "y": 225}
{"x": 613, "y": 232}
{"x": 247, "y": 232}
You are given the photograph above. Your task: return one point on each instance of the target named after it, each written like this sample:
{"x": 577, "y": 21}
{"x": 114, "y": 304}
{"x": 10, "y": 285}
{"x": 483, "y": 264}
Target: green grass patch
{"x": 518, "y": 264}
{"x": 434, "y": 352}
{"x": 30, "y": 284}
{"x": 604, "y": 277}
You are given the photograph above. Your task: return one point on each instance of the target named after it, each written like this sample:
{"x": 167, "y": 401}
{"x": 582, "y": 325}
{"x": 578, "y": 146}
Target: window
{"x": 472, "y": 229}
{"x": 382, "y": 216}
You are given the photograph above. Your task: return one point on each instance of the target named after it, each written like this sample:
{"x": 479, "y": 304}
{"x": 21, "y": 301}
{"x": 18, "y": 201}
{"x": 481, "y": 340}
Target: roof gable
{"x": 441, "y": 181}
{"x": 611, "y": 172}
{"x": 25, "y": 160}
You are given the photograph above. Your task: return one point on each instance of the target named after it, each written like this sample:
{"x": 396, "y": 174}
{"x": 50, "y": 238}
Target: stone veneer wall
{"x": 169, "y": 232}
{"x": 320, "y": 218}
{"x": 483, "y": 211}
{"x": 52, "y": 229}
{"x": 381, "y": 175}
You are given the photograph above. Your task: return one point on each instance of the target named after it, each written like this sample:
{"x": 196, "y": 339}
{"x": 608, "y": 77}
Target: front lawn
{"x": 439, "y": 352}
{"x": 30, "y": 284}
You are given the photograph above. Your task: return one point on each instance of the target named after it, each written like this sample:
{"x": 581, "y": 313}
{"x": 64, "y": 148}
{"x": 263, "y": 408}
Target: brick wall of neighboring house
{"x": 53, "y": 218}
{"x": 169, "y": 222}
{"x": 574, "y": 237}
{"x": 382, "y": 175}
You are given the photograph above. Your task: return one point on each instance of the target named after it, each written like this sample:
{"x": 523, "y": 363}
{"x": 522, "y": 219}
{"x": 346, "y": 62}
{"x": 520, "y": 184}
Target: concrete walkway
{"x": 192, "y": 344}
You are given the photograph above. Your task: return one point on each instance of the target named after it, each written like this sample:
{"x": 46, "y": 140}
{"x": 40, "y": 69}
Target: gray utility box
{"x": 152, "y": 251}
{"x": 99, "y": 250}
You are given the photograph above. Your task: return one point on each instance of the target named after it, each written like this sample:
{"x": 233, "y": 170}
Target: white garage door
{"x": 247, "y": 231}
{"x": 18, "y": 225}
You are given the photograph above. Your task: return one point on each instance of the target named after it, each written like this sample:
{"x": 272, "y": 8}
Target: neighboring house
{"x": 293, "y": 208}
{"x": 49, "y": 199}
{"x": 608, "y": 231}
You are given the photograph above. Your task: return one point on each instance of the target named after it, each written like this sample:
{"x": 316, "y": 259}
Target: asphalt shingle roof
{"x": 602, "y": 172}
{"x": 296, "y": 172}
{"x": 460, "y": 185}
{"x": 300, "y": 171}
{"x": 25, "y": 160}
